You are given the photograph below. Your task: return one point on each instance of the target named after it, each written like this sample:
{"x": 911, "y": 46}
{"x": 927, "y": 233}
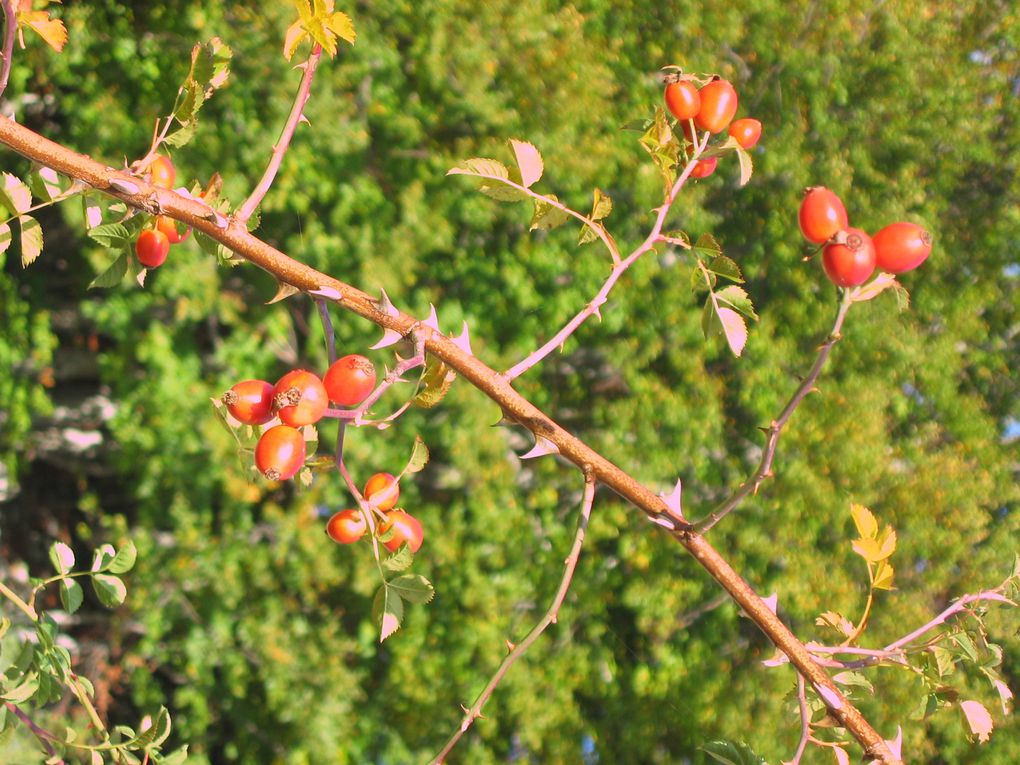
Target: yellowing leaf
{"x": 865, "y": 521}
{"x": 887, "y": 542}
{"x": 52, "y": 31}
{"x": 883, "y": 576}
{"x": 529, "y": 161}
{"x": 295, "y": 34}
{"x": 978, "y": 719}
{"x": 342, "y": 26}
{"x": 868, "y": 549}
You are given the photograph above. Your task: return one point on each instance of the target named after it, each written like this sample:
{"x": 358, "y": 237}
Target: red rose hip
{"x": 406, "y": 528}
{"x": 280, "y": 453}
{"x": 349, "y": 380}
{"x": 383, "y": 491}
{"x": 250, "y": 402}
{"x": 683, "y": 99}
{"x": 901, "y": 247}
{"x": 346, "y": 527}
{"x": 852, "y": 262}
{"x": 299, "y": 398}
{"x": 821, "y": 215}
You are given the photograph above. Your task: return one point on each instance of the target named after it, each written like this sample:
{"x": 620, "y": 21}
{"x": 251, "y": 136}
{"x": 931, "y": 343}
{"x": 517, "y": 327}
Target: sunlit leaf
{"x": 413, "y": 588}
{"x": 865, "y": 521}
{"x": 978, "y": 719}
{"x": 529, "y": 162}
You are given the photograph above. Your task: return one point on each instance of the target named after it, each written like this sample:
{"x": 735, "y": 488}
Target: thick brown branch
{"x": 235, "y": 236}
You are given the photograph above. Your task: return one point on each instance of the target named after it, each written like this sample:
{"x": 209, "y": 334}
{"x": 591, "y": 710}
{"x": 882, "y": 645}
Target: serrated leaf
{"x": 97, "y": 758}
{"x": 52, "y": 31}
{"x": 292, "y": 39}
{"x": 124, "y": 560}
{"x": 854, "y": 679}
{"x": 601, "y": 206}
{"x": 46, "y": 184}
{"x": 481, "y": 167}
{"x": 707, "y": 246}
{"x": 414, "y": 588}
{"x": 547, "y": 216}
{"x": 868, "y": 549}
{"x": 419, "y": 457}
{"x": 15, "y": 195}
{"x": 71, "y": 595}
{"x": 435, "y": 383}
{"x": 746, "y": 165}
{"x": 966, "y": 646}
{"x": 945, "y": 662}
{"x": 342, "y": 26}
{"x": 502, "y": 193}
{"x": 734, "y": 328}
{"x": 109, "y": 589}
{"x": 588, "y": 234}
{"x": 113, "y": 275}
{"x": 6, "y": 237}
{"x": 183, "y": 135}
{"x": 737, "y": 299}
{"x": 112, "y": 235}
{"x": 529, "y": 162}
{"x": 62, "y": 557}
{"x": 978, "y": 719}
{"x": 884, "y": 573}
{"x": 732, "y": 753}
{"x": 176, "y": 757}
{"x": 726, "y": 268}
{"x": 401, "y": 560}
{"x": 865, "y": 521}
{"x": 387, "y": 611}
{"x": 836, "y": 621}
{"x": 31, "y": 240}
{"x": 875, "y": 287}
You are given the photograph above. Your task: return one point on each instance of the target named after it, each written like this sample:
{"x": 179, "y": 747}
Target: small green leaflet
{"x": 547, "y": 215}
{"x": 71, "y": 595}
{"x": 109, "y": 589}
{"x": 387, "y": 611}
{"x": 663, "y": 147}
{"x": 737, "y": 299}
{"x": 435, "y": 383}
{"x": 722, "y": 319}
{"x": 113, "y": 275}
{"x": 492, "y": 170}
{"x": 414, "y": 588}
{"x": 601, "y": 207}
{"x": 419, "y": 457}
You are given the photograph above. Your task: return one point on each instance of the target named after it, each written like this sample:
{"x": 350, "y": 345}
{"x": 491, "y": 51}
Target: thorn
{"x": 510, "y": 646}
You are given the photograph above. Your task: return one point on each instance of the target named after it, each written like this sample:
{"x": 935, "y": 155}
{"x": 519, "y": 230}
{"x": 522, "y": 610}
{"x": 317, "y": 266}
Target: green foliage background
{"x": 254, "y": 629}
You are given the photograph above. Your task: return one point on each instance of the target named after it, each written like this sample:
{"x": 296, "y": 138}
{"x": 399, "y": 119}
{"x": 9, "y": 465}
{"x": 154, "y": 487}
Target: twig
{"x": 619, "y": 267}
{"x": 764, "y": 469}
{"x": 805, "y": 720}
{"x": 22, "y": 606}
{"x": 327, "y": 328}
{"x": 895, "y": 651}
{"x": 236, "y": 237}
{"x": 10, "y": 28}
{"x": 517, "y": 651}
{"x": 42, "y": 734}
{"x": 296, "y": 115}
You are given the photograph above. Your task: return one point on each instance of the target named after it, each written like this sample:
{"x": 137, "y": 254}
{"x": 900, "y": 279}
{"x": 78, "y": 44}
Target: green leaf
{"x": 726, "y": 268}
{"x": 387, "y": 611}
{"x": 419, "y": 457}
{"x": 966, "y": 645}
{"x": 414, "y": 588}
{"x": 734, "y": 329}
{"x": 15, "y": 196}
{"x": 182, "y": 136}
{"x": 481, "y": 167}
{"x": 435, "y": 383}
{"x": 109, "y": 589}
{"x": 401, "y": 560}
{"x": 602, "y": 205}
{"x": 854, "y": 679}
{"x": 113, "y": 275}
{"x": 6, "y": 237}
{"x": 737, "y": 299}
{"x": 732, "y": 753}
{"x": 176, "y": 757}
{"x": 124, "y": 560}
{"x": 112, "y": 235}
{"x": 884, "y": 574}
{"x": 31, "y": 240}
{"x": 746, "y": 165}
{"x": 547, "y": 216}
{"x": 707, "y": 247}
{"x": 62, "y": 557}
{"x": 23, "y": 691}
{"x": 71, "y": 595}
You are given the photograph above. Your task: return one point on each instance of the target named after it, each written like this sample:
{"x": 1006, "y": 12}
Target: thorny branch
{"x": 234, "y": 235}
{"x": 550, "y": 616}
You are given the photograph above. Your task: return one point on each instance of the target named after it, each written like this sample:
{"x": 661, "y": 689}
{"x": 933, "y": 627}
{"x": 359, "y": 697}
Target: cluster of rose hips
{"x": 849, "y": 255}
{"x": 712, "y": 107}
{"x": 301, "y": 398}
{"x": 153, "y": 244}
